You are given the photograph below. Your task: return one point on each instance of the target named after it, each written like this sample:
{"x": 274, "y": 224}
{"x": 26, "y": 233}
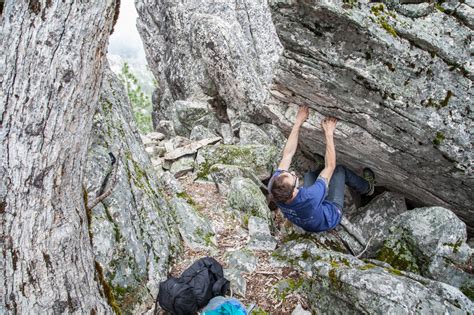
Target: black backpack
{"x": 202, "y": 281}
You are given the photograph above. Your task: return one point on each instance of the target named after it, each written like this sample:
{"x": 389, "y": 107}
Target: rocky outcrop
{"x": 133, "y": 231}
{"x": 261, "y": 159}
{"x": 397, "y": 76}
{"x": 246, "y": 196}
{"x": 372, "y": 222}
{"x": 195, "y": 229}
{"x": 399, "y": 87}
{"x": 222, "y": 175}
{"x": 432, "y": 242}
{"x": 220, "y": 52}
{"x": 340, "y": 282}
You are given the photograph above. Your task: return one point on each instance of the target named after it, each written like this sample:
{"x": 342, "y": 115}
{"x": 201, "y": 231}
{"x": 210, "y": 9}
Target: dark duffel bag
{"x": 177, "y": 297}
{"x": 206, "y": 277}
{"x": 198, "y": 284}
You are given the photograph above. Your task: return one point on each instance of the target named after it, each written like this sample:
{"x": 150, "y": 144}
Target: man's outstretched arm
{"x": 329, "y": 125}
{"x": 292, "y": 142}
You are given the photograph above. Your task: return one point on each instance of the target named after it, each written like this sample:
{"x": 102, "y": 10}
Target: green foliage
{"x": 259, "y": 311}
{"x": 439, "y": 7}
{"x": 377, "y": 10}
{"x": 468, "y": 291}
{"x": 439, "y": 138}
{"x": 141, "y": 103}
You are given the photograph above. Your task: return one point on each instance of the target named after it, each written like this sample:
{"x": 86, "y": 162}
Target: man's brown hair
{"x": 282, "y": 189}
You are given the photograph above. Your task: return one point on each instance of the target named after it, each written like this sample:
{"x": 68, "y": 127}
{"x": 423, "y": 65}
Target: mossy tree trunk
{"x": 51, "y": 70}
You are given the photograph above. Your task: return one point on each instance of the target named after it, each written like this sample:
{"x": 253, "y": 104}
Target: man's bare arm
{"x": 292, "y": 142}
{"x": 329, "y": 124}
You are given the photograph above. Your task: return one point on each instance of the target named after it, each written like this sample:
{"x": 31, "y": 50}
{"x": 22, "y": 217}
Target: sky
{"x": 125, "y": 45}
{"x": 125, "y": 41}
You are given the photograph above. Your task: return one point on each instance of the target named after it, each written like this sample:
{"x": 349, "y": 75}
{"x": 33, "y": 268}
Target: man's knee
{"x": 339, "y": 169}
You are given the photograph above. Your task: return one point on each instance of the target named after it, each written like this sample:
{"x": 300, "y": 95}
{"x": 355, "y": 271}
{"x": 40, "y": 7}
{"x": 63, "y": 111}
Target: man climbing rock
{"x": 318, "y": 205}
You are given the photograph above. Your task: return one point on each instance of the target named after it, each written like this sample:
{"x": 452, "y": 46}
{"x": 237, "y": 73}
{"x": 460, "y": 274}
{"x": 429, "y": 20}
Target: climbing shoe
{"x": 369, "y": 176}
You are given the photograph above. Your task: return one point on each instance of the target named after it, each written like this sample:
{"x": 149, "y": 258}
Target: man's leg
{"x": 337, "y": 187}
{"x": 360, "y": 185}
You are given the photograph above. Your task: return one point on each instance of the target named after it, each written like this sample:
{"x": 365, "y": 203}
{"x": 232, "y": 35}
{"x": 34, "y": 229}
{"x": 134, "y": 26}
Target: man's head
{"x": 282, "y": 185}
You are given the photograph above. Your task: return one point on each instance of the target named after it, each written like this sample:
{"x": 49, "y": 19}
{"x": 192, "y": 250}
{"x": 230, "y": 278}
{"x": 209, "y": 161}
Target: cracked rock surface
{"x": 133, "y": 231}
{"x": 397, "y": 75}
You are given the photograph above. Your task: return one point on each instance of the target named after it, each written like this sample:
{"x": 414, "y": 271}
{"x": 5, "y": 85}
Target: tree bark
{"x": 51, "y": 69}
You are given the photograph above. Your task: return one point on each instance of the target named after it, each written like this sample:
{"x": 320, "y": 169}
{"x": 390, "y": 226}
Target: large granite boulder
{"x": 200, "y": 132}
{"x": 277, "y": 137}
{"x": 194, "y": 228}
{"x": 189, "y": 112}
{"x": 253, "y": 134}
{"x": 221, "y": 51}
{"x": 432, "y": 242}
{"x": 373, "y": 222}
{"x": 262, "y": 159}
{"x": 397, "y": 77}
{"x": 405, "y": 117}
{"x": 132, "y": 231}
{"x": 242, "y": 260}
{"x": 341, "y": 284}
{"x": 246, "y": 196}
{"x": 223, "y": 174}
{"x": 261, "y": 238}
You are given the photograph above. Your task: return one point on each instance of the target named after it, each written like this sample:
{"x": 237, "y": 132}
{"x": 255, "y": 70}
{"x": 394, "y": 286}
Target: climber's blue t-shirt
{"x": 310, "y": 211}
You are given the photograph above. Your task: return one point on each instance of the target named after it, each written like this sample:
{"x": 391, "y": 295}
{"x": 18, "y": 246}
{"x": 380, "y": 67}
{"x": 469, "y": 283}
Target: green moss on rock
{"x": 187, "y": 197}
{"x": 386, "y": 26}
{"x": 256, "y": 157}
{"x": 455, "y": 246}
{"x": 439, "y": 138}
{"x": 468, "y": 290}
{"x": 395, "y": 271}
{"x": 399, "y": 256}
{"x": 381, "y": 18}
{"x": 286, "y": 287}
{"x": 107, "y": 289}
{"x": 334, "y": 280}
{"x": 367, "y": 266}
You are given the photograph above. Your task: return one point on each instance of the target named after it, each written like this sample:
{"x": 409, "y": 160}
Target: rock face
{"x": 373, "y": 221}
{"x": 432, "y": 242}
{"x": 196, "y": 231}
{"x": 222, "y": 175}
{"x": 340, "y": 282}
{"x": 260, "y": 236}
{"x": 397, "y": 76}
{"x": 219, "y": 52}
{"x": 246, "y": 196}
{"x": 133, "y": 230}
{"x": 416, "y": 142}
{"x": 262, "y": 159}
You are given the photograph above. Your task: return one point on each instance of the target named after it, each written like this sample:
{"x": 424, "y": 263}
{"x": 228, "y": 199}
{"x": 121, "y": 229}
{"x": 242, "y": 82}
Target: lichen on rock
{"x": 133, "y": 230}
{"x": 261, "y": 159}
